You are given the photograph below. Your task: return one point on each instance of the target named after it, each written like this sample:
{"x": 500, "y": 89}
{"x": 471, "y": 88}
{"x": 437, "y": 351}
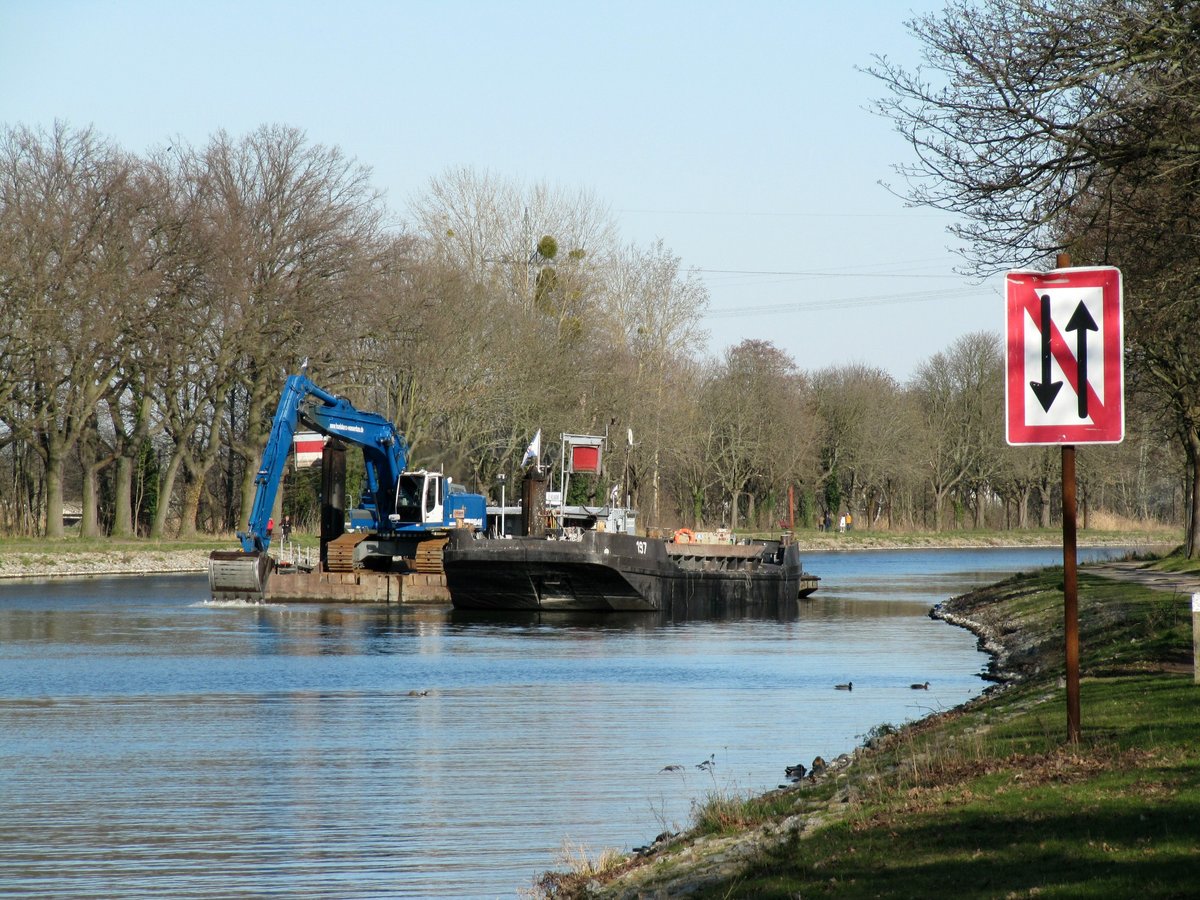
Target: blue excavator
{"x": 398, "y": 513}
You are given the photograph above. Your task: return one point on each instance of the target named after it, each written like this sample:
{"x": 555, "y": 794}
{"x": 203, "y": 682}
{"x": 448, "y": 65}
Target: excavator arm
{"x": 406, "y": 508}
{"x": 302, "y": 401}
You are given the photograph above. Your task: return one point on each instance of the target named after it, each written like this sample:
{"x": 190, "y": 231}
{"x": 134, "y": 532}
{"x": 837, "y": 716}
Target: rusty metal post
{"x": 533, "y": 504}
{"x": 1070, "y": 575}
{"x": 1070, "y": 593}
{"x": 1196, "y": 638}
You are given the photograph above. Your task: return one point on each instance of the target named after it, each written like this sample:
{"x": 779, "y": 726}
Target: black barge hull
{"x": 611, "y": 572}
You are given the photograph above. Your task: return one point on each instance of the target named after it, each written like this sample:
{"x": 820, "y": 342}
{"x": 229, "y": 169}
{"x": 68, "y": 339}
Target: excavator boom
{"x": 395, "y": 501}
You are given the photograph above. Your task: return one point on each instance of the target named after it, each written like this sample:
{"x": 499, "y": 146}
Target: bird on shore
{"x": 920, "y": 687}
{"x": 848, "y": 686}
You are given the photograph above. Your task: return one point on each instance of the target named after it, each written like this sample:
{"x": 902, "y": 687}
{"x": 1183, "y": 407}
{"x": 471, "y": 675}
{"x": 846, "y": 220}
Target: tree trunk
{"x": 1043, "y": 490}
{"x": 189, "y": 504}
{"x": 939, "y": 503}
{"x": 89, "y": 527}
{"x": 1192, "y": 451}
{"x": 122, "y": 525}
{"x": 54, "y": 496}
{"x": 165, "y": 489}
{"x": 654, "y": 510}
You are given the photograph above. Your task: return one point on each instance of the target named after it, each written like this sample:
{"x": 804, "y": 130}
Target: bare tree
{"x": 959, "y": 396}
{"x": 68, "y": 245}
{"x": 864, "y": 435}
{"x": 291, "y": 217}
{"x": 751, "y": 399}
{"x": 1054, "y": 125}
{"x": 492, "y": 228}
{"x": 653, "y": 310}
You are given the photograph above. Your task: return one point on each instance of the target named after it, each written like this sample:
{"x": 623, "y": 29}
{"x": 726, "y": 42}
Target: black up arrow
{"x": 1081, "y": 323}
{"x": 1046, "y": 390}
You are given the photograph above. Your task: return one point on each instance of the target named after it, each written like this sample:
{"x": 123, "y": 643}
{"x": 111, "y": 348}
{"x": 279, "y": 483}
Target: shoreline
{"x": 86, "y": 564}
{"x": 32, "y": 561}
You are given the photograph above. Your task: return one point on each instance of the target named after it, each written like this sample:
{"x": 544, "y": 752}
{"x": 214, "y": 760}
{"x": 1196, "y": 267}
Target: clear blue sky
{"x": 738, "y": 132}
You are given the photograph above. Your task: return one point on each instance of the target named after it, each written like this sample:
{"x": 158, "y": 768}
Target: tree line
{"x": 154, "y": 304}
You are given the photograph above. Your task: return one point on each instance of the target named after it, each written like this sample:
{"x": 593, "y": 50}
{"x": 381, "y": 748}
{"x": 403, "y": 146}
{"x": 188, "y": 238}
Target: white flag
{"x": 534, "y": 450}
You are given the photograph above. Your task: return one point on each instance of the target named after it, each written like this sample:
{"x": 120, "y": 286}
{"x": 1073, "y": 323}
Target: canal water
{"x": 155, "y": 745}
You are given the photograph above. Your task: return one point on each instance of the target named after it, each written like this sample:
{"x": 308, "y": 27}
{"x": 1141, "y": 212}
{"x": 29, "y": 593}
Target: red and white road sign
{"x": 1065, "y": 381}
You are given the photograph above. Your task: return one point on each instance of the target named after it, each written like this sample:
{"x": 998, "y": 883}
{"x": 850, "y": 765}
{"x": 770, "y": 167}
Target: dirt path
{"x": 1123, "y": 570}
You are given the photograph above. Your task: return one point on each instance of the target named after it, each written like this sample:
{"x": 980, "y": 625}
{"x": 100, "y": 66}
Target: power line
{"x": 801, "y": 306}
{"x": 810, "y": 274}
{"x": 782, "y": 215}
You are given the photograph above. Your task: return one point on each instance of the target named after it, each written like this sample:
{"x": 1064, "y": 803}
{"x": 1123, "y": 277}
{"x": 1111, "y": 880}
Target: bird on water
{"x": 848, "y": 686}
{"x": 920, "y": 687}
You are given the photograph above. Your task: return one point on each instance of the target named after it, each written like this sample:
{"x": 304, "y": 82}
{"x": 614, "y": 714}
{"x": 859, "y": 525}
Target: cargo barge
{"x": 584, "y": 570}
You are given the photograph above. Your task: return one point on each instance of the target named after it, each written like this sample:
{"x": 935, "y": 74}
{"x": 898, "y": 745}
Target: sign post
{"x": 1064, "y": 384}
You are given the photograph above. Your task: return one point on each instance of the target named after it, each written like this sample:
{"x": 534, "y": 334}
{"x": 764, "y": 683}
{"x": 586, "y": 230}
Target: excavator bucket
{"x": 235, "y": 575}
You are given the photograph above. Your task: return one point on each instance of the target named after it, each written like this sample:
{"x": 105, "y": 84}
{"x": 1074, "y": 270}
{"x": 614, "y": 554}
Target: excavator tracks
{"x": 428, "y": 558}
{"x": 339, "y": 553}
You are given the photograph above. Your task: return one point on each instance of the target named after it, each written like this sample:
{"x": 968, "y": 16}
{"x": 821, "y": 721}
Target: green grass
{"x": 1018, "y": 812}
{"x": 991, "y": 800}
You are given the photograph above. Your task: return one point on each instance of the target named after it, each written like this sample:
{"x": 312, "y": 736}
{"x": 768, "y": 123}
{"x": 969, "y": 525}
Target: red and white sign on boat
{"x": 309, "y": 445}
{"x": 1065, "y": 381}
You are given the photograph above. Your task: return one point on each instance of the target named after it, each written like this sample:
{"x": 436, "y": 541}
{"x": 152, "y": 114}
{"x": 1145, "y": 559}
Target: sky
{"x": 738, "y": 133}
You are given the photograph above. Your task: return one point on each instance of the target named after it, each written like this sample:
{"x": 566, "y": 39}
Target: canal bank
{"x": 72, "y": 556}
{"x": 987, "y": 799}
{"x": 61, "y": 560}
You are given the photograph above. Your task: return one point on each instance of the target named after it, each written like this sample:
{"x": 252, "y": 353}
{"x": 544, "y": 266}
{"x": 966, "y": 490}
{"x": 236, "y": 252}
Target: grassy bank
{"x": 867, "y": 539}
{"x": 988, "y": 800}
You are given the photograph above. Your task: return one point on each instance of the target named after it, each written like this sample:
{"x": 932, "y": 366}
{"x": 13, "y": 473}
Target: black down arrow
{"x": 1046, "y": 390}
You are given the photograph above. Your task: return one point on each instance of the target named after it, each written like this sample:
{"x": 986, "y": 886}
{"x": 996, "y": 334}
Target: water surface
{"x": 157, "y": 745}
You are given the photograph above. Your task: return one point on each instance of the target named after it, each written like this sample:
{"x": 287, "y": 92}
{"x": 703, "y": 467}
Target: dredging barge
{"x": 591, "y": 559}
{"x": 589, "y": 570}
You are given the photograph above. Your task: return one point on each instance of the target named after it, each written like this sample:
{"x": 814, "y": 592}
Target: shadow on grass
{"x": 1148, "y": 853}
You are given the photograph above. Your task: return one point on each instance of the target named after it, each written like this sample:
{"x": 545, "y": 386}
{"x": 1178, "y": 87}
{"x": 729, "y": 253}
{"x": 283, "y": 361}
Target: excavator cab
{"x": 420, "y": 499}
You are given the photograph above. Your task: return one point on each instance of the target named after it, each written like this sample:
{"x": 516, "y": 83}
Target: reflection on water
{"x": 155, "y": 744}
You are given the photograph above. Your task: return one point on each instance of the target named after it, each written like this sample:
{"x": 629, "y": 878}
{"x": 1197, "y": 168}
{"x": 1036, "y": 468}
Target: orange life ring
{"x": 685, "y": 536}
